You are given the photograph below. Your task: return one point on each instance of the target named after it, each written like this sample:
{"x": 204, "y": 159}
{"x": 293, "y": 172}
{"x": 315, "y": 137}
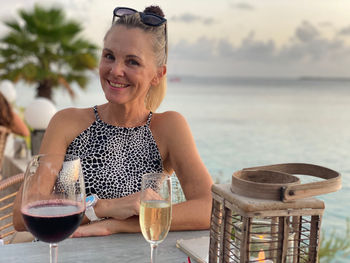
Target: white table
{"x": 128, "y": 248}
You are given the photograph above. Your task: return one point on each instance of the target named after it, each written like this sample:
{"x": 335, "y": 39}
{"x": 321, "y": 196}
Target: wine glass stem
{"x": 153, "y": 253}
{"x": 53, "y": 252}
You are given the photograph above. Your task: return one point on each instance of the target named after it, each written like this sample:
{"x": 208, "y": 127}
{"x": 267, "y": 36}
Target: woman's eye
{"x": 133, "y": 62}
{"x": 109, "y": 56}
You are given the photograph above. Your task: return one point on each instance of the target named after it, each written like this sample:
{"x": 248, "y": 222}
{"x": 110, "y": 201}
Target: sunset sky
{"x": 269, "y": 38}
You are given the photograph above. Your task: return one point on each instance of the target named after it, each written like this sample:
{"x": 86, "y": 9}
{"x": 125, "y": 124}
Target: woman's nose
{"x": 117, "y": 69}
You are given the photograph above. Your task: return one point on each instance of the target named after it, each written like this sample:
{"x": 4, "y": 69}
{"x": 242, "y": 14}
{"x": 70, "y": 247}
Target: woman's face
{"x": 127, "y": 67}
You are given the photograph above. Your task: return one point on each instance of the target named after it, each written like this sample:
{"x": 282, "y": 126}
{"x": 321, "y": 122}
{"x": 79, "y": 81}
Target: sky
{"x": 255, "y": 38}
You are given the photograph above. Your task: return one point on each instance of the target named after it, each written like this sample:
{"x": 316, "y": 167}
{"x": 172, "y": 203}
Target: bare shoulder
{"x": 72, "y": 114}
{"x": 72, "y": 121}
{"x": 64, "y": 126}
{"x": 169, "y": 122}
{"x": 170, "y": 125}
{"x": 169, "y": 118}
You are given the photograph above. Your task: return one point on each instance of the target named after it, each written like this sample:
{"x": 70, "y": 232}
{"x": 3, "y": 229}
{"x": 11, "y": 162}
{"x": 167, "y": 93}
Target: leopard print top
{"x": 114, "y": 158}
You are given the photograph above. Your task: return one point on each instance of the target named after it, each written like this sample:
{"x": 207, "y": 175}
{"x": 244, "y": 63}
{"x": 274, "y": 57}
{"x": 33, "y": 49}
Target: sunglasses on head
{"x": 148, "y": 19}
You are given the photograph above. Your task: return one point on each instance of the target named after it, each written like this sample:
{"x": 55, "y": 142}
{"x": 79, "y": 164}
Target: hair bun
{"x": 154, "y": 9}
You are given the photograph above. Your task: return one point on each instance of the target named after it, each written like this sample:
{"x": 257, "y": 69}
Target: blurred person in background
{"x": 10, "y": 119}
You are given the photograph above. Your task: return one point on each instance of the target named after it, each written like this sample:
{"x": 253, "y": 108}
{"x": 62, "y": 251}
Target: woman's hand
{"x": 99, "y": 228}
{"x": 122, "y": 208}
{"x": 108, "y": 227}
{"x": 119, "y": 208}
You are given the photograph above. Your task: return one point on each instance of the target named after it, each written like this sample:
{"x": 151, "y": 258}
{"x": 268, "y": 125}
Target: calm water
{"x": 248, "y": 122}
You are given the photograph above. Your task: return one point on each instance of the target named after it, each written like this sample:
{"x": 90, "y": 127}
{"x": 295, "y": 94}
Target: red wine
{"x": 52, "y": 221}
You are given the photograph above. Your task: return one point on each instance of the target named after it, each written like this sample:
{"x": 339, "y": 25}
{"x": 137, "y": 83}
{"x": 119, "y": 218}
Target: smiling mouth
{"x": 118, "y": 85}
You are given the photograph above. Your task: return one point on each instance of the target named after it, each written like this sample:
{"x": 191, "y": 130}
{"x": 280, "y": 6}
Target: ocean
{"x": 245, "y": 122}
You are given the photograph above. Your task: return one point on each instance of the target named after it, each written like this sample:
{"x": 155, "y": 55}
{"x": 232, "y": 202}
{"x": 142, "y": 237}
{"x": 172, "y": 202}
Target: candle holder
{"x": 267, "y": 215}
{"x": 263, "y": 240}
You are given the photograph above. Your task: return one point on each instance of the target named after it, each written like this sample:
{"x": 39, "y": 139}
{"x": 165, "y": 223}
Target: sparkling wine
{"x": 52, "y": 220}
{"x": 155, "y": 219}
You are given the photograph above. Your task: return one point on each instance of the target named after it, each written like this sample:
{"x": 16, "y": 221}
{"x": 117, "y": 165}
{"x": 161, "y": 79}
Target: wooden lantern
{"x": 266, "y": 215}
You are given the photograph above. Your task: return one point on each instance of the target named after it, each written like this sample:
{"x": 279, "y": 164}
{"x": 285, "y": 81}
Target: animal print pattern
{"x": 114, "y": 158}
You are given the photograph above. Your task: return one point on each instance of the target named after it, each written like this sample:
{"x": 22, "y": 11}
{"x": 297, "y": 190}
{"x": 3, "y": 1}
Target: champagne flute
{"x": 53, "y": 198}
{"x": 155, "y": 209}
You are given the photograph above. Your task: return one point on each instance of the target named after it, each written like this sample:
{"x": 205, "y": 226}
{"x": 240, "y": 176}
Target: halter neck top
{"x": 114, "y": 158}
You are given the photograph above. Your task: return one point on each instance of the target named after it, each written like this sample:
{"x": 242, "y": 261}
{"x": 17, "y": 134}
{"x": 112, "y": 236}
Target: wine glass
{"x": 155, "y": 209}
{"x": 53, "y": 198}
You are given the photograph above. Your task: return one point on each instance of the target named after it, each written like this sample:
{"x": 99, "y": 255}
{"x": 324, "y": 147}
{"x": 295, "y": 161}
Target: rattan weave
{"x": 4, "y": 132}
{"x": 8, "y": 191}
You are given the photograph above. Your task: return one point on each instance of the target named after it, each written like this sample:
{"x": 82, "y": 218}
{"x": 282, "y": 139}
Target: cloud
{"x": 202, "y": 49}
{"x": 326, "y": 24}
{"x": 242, "y": 6}
{"x": 306, "y": 52}
{"x": 308, "y": 44}
{"x": 345, "y": 31}
{"x": 249, "y": 49}
{"x": 192, "y": 18}
{"x": 307, "y": 32}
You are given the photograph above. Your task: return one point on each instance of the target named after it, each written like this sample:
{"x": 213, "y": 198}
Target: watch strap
{"x": 91, "y": 215}
{"x": 90, "y": 211}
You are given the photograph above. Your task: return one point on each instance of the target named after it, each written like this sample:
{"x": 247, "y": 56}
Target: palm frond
{"x": 46, "y": 47}
{"x": 14, "y": 25}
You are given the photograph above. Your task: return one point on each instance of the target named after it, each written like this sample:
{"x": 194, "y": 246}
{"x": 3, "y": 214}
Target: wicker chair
{"x": 8, "y": 190}
{"x": 4, "y": 132}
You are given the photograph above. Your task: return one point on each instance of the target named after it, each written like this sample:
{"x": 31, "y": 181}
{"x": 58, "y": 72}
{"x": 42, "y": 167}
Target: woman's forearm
{"x": 108, "y": 227}
{"x": 191, "y": 215}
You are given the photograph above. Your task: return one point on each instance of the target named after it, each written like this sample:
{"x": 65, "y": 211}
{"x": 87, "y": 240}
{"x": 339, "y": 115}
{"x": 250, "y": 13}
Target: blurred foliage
{"x": 333, "y": 246}
{"x": 44, "y": 48}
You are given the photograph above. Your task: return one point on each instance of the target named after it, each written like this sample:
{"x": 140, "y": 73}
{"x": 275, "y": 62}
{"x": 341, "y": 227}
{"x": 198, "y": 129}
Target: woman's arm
{"x": 18, "y": 126}
{"x": 194, "y": 178}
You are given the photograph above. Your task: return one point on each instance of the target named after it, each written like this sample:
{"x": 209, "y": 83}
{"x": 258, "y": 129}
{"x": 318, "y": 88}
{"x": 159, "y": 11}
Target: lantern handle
{"x": 331, "y": 182}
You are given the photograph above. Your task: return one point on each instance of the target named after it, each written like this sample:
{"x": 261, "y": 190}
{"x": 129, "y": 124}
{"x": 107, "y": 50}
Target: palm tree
{"x": 45, "y": 49}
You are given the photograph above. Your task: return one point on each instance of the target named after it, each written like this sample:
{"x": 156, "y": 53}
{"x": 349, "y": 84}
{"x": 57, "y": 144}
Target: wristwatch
{"x": 91, "y": 201}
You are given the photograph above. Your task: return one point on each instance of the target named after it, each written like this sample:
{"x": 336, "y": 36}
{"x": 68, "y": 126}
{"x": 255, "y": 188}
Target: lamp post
{"x": 38, "y": 115}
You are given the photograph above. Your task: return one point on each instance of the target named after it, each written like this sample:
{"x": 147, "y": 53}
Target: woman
{"x": 10, "y": 119}
{"x": 123, "y": 139}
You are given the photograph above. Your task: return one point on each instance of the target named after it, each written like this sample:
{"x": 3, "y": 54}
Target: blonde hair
{"x": 157, "y": 93}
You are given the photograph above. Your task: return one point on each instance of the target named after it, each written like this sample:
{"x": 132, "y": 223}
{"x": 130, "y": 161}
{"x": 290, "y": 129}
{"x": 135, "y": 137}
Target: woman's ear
{"x": 160, "y": 74}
